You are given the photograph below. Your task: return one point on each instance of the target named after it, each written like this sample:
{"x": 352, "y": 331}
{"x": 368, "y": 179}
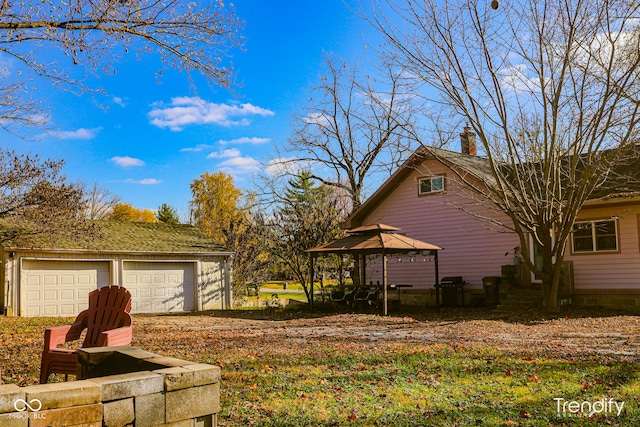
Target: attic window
{"x": 430, "y": 185}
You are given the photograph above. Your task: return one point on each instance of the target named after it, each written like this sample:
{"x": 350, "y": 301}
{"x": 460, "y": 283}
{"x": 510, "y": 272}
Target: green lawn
{"x": 438, "y": 385}
{"x": 274, "y": 374}
{"x": 291, "y": 285}
{"x": 426, "y": 386}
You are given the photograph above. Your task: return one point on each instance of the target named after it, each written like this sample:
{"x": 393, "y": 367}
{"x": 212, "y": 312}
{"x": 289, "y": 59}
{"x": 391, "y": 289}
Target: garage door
{"x": 158, "y": 287}
{"x": 59, "y": 288}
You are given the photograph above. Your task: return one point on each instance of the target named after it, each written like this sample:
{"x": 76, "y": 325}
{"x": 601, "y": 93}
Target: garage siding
{"x": 213, "y": 288}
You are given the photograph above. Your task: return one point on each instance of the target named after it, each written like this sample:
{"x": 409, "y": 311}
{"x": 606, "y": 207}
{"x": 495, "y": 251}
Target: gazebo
{"x": 374, "y": 239}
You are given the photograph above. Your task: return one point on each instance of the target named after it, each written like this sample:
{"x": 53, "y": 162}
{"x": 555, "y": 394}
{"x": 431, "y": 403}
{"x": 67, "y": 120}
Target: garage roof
{"x": 130, "y": 237}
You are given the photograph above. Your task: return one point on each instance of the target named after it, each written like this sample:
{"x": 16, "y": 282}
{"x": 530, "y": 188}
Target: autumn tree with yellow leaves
{"x": 124, "y": 212}
{"x": 219, "y": 209}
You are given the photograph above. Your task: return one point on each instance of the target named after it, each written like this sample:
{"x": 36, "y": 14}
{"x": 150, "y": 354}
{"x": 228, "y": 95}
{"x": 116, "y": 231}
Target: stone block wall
{"x": 175, "y": 393}
{"x": 427, "y": 297}
{"x": 616, "y": 301}
{"x": 418, "y": 297}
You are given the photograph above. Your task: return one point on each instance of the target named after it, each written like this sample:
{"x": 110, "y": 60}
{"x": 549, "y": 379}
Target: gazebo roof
{"x": 376, "y": 238}
{"x": 374, "y": 227}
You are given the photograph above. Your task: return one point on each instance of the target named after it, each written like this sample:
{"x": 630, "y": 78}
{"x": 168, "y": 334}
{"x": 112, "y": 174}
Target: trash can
{"x": 491, "y": 285}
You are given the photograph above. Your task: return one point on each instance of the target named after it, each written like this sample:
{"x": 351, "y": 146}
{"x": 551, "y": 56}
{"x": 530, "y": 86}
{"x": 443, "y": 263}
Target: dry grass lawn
{"x": 456, "y": 367}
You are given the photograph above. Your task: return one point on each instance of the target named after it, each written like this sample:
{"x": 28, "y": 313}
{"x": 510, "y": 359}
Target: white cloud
{"x": 254, "y": 140}
{"x": 225, "y": 154}
{"x": 234, "y": 162}
{"x": 82, "y": 133}
{"x": 7, "y": 64}
{"x": 316, "y": 119}
{"x": 186, "y": 110}
{"x": 149, "y": 181}
{"x": 240, "y": 165}
{"x": 126, "y": 161}
{"x": 197, "y": 148}
{"x": 145, "y": 181}
{"x": 518, "y": 79}
{"x": 121, "y": 102}
{"x": 246, "y": 140}
{"x": 286, "y": 166}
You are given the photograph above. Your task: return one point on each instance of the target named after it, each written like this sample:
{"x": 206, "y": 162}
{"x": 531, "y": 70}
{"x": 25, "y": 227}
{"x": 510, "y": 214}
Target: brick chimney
{"x": 468, "y": 142}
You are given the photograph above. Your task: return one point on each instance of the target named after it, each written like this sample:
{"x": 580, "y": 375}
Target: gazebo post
{"x": 363, "y": 263}
{"x": 311, "y": 279}
{"x": 437, "y": 280}
{"x": 385, "y": 294}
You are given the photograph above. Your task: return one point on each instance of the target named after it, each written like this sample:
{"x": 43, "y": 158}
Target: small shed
{"x": 375, "y": 239}
{"x": 167, "y": 268}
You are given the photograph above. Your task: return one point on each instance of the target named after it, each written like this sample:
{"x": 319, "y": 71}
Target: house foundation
{"x": 615, "y": 301}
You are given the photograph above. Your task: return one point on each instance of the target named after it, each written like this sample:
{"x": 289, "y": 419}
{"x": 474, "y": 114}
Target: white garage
{"x": 59, "y": 288}
{"x": 167, "y": 268}
{"x": 160, "y": 286}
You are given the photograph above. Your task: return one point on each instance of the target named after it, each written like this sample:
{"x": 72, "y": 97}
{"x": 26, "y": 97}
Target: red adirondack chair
{"x": 107, "y": 321}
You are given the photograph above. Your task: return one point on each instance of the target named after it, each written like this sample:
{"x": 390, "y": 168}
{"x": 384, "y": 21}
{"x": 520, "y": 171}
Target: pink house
{"x": 427, "y": 201}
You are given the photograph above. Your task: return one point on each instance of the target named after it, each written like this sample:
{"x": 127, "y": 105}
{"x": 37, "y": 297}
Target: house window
{"x": 434, "y": 184}
{"x": 595, "y": 236}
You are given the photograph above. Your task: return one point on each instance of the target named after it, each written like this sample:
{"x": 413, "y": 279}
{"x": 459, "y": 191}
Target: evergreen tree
{"x": 167, "y": 214}
{"x": 309, "y": 215}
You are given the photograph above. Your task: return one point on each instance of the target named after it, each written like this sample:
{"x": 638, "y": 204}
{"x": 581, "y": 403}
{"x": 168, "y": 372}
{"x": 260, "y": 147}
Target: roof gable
{"x": 475, "y": 165}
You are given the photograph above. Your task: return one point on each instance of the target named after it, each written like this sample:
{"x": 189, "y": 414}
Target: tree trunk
{"x": 306, "y": 287}
{"x": 551, "y": 299}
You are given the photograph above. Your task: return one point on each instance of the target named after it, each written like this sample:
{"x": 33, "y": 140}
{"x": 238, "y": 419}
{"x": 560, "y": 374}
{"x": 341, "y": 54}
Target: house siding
{"x": 472, "y": 247}
{"x": 615, "y": 270}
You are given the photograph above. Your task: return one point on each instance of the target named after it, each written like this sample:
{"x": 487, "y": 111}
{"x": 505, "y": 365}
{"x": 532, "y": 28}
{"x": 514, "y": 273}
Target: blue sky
{"x": 147, "y": 141}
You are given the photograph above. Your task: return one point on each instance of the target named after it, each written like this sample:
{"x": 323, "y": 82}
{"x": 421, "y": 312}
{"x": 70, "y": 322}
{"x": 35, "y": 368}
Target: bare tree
{"x": 99, "y": 202}
{"x": 37, "y": 202}
{"x": 188, "y": 35}
{"x": 549, "y": 87}
{"x": 16, "y": 108}
{"x": 355, "y": 125}
{"x": 249, "y": 236}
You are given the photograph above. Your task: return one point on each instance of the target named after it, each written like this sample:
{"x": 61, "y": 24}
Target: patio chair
{"x": 367, "y": 297}
{"x": 344, "y": 297}
{"x": 107, "y": 321}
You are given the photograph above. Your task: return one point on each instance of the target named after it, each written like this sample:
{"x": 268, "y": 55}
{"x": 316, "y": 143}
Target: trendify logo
{"x": 586, "y": 408}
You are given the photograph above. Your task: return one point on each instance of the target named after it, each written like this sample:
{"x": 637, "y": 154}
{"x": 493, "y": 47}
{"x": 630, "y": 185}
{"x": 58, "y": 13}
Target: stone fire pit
{"x": 118, "y": 387}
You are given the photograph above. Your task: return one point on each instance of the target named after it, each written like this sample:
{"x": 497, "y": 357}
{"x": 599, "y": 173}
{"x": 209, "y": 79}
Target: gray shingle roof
{"x": 132, "y": 237}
